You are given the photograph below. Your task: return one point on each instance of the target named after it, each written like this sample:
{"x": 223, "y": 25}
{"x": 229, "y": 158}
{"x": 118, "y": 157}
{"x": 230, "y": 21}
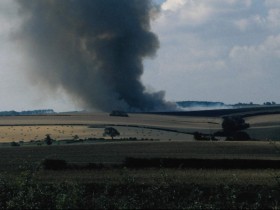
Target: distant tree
{"x": 48, "y": 139}
{"x": 234, "y": 124}
{"x": 112, "y": 132}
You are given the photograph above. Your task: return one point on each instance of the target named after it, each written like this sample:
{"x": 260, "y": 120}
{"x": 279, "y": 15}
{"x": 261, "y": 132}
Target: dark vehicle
{"x": 116, "y": 113}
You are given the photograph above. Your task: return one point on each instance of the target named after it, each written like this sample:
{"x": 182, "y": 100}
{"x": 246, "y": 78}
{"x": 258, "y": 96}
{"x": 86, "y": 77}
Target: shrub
{"x": 26, "y": 192}
{"x": 15, "y": 144}
{"x": 48, "y": 139}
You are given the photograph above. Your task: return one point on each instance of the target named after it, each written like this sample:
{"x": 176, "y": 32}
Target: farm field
{"x": 144, "y": 187}
{"x": 264, "y": 127}
{"x": 155, "y": 136}
{"x": 152, "y": 136}
{"x": 26, "y": 128}
{"x": 140, "y": 126}
{"x": 11, "y": 158}
{"x": 96, "y": 173}
{"x": 104, "y": 118}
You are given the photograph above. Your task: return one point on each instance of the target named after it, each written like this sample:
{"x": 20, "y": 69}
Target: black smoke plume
{"x": 94, "y": 49}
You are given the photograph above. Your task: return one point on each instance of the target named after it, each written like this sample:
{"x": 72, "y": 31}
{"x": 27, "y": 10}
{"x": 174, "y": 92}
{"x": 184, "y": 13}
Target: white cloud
{"x": 262, "y": 60}
{"x": 172, "y": 5}
{"x": 242, "y": 24}
{"x": 273, "y": 18}
{"x": 272, "y": 3}
{"x": 269, "y": 22}
{"x": 174, "y": 10}
{"x": 225, "y": 50}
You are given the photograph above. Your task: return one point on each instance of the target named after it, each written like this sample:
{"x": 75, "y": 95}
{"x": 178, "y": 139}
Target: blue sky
{"x": 216, "y": 50}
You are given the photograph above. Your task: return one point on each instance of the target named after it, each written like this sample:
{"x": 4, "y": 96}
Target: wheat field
{"x": 140, "y": 126}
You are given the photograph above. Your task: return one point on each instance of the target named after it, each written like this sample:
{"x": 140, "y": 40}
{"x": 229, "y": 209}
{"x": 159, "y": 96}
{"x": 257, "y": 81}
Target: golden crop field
{"x": 140, "y": 126}
{"x": 38, "y": 132}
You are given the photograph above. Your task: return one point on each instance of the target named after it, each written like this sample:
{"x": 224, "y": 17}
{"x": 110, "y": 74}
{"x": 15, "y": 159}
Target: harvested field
{"x": 34, "y": 133}
{"x": 140, "y": 126}
{"x": 264, "y": 127}
{"x": 104, "y": 118}
{"x": 264, "y": 120}
{"x": 27, "y": 133}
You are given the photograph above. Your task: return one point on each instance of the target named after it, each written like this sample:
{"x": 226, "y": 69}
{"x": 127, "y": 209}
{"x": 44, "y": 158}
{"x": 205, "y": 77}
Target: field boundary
{"x": 243, "y": 112}
{"x": 131, "y": 162}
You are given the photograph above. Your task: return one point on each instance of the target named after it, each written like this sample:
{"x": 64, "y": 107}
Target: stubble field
{"x": 26, "y": 128}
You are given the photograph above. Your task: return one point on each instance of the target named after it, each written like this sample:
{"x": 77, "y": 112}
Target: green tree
{"x": 112, "y": 132}
{"x": 233, "y": 126}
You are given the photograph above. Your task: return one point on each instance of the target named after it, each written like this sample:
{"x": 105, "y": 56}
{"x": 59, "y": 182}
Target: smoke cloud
{"x": 94, "y": 49}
